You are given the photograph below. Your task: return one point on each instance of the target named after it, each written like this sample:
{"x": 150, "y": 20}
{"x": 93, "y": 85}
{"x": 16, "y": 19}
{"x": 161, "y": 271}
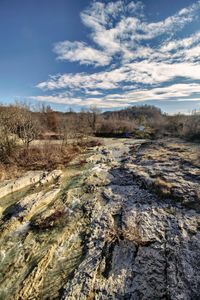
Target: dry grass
{"x": 198, "y": 194}
{"x": 45, "y": 156}
{"x": 163, "y": 187}
{"x": 48, "y": 156}
{"x": 10, "y": 172}
{"x": 167, "y": 166}
{"x": 189, "y": 152}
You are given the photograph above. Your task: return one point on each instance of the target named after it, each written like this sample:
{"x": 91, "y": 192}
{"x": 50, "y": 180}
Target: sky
{"x": 110, "y": 54}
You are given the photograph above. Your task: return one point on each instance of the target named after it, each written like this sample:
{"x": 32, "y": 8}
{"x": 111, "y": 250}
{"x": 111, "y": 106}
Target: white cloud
{"x": 144, "y": 72}
{"x": 59, "y": 99}
{"x": 78, "y": 51}
{"x": 117, "y": 28}
{"x": 93, "y": 93}
{"x": 139, "y": 58}
{"x": 184, "y": 43}
{"x": 175, "y": 92}
{"x": 178, "y": 92}
{"x": 170, "y": 24}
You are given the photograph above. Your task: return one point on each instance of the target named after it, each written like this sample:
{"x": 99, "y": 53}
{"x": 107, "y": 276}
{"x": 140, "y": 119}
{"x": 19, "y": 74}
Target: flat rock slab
{"x": 30, "y": 178}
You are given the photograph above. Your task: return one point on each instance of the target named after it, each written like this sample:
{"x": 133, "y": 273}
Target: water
{"x": 36, "y": 261}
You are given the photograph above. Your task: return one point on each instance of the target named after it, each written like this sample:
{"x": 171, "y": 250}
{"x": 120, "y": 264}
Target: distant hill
{"x": 134, "y": 112}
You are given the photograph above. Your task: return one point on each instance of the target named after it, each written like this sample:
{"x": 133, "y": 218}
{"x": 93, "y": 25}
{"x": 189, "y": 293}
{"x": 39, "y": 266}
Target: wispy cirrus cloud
{"x": 117, "y": 28}
{"x": 79, "y": 51}
{"x": 139, "y": 60}
{"x": 178, "y": 92}
{"x": 143, "y": 72}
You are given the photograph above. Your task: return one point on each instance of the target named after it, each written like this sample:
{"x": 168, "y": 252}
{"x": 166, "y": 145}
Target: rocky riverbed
{"x": 125, "y": 224}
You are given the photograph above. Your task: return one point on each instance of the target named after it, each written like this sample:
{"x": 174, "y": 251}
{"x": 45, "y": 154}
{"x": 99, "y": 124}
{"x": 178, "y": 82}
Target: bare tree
{"x": 93, "y": 117}
{"x": 8, "y": 138}
{"x": 27, "y": 126}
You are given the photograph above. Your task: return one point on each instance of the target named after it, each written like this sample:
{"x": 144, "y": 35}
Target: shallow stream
{"x": 41, "y": 249}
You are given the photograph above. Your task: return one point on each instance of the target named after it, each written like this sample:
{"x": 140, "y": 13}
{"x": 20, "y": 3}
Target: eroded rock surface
{"x": 107, "y": 234}
{"x": 140, "y": 246}
{"x": 30, "y": 178}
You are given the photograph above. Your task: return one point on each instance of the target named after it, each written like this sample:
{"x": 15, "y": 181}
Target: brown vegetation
{"x": 20, "y": 126}
{"x": 153, "y": 122}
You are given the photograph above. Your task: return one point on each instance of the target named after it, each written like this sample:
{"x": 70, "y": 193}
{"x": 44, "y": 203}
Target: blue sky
{"x": 109, "y": 54}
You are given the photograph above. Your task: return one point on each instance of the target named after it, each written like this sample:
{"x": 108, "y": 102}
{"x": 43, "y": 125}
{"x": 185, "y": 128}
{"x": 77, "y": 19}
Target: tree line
{"x": 20, "y": 126}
